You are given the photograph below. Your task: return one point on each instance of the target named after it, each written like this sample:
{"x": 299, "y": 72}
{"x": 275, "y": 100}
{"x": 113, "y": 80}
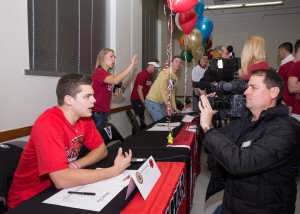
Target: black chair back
{"x": 138, "y": 123}
{"x": 9, "y": 158}
{"x": 130, "y": 113}
{"x": 109, "y": 133}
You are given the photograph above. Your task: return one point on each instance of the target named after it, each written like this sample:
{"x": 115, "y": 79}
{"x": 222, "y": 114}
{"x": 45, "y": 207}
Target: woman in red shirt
{"x": 253, "y": 57}
{"x": 103, "y": 81}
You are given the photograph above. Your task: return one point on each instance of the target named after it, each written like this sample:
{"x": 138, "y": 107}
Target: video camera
{"x": 231, "y": 99}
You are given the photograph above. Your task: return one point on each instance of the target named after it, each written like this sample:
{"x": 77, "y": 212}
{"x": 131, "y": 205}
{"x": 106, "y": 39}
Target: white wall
{"x": 128, "y": 41}
{"x": 24, "y": 98}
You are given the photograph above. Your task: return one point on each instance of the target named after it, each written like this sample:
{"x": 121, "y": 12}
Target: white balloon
{"x": 176, "y": 21}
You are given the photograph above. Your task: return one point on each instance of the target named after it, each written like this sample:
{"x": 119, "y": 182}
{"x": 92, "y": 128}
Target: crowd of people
{"x": 257, "y": 155}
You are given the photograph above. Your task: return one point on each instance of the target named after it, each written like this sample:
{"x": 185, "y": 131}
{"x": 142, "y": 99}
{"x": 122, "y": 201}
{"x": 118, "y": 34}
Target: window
{"x": 65, "y": 36}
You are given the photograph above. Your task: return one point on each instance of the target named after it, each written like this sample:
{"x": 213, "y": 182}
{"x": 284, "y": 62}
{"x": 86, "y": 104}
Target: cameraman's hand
{"x": 214, "y": 94}
{"x": 206, "y": 112}
{"x": 122, "y": 162}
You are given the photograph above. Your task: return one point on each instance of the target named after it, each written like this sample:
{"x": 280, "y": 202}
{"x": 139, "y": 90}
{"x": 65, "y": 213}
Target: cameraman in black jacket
{"x": 259, "y": 151}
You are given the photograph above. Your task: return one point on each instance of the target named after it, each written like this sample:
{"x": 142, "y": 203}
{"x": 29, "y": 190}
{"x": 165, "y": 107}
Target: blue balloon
{"x": 205, "y": 25}
{"x": 199, "y": 8}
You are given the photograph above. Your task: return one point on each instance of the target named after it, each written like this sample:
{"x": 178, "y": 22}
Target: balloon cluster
{"x": 195, "y": 26}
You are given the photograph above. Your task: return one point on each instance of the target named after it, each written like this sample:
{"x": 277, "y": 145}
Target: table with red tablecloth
{"x": 169, "y": 194}
{"x": 190, "y": 139}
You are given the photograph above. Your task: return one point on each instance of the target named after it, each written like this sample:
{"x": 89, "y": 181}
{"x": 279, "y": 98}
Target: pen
{"x": 138, "y": 160}
{"x": 81, "y": 193}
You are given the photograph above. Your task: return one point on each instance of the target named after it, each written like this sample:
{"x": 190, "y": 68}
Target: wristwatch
{"x": 206, "y": 128}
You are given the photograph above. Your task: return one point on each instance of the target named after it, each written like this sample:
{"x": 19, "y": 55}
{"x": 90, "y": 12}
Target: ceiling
{"x": 289, "y": 7}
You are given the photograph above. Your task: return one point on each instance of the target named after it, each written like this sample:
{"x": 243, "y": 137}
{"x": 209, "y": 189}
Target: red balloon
{"x": 182, "y": 5}
{"x": 187, "y": 20}
{"x": 208, "y": 43}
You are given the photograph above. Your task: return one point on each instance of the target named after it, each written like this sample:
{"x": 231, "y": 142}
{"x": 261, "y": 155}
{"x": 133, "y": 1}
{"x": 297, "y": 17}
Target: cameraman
{"x": 259, "y": 151}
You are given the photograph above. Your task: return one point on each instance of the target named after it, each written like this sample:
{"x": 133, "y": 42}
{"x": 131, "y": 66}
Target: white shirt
{"x": 287, "y": 59}
{"x": 198, "y": 73}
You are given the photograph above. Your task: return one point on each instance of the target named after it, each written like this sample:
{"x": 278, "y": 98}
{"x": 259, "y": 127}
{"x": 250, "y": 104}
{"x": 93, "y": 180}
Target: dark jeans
{"x": 218, "y": 209}
{"x": 139, "y": 108}
{"x": 99, "y": 119}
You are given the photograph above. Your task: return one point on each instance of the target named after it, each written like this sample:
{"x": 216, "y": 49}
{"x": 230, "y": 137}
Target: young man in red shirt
{"x": 50, "y": 156}
{"x": 142, "y": 86}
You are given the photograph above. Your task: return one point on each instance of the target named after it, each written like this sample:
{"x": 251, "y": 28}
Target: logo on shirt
{"x": 76, "y": 146}
{"x": 149, "y": 83}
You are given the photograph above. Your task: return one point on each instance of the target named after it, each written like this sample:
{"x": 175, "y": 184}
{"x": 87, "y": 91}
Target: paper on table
{"x": 187, "y": 110}
{"x": 164, "y": 126}
{"x": 104, "y": 194}
{"x": 160, "y": 128}
{"x": 175, "y": 124}
{"x": 105, "y": 191}
{"x": 192, "y": 128}
{"x": 188, "y": 118}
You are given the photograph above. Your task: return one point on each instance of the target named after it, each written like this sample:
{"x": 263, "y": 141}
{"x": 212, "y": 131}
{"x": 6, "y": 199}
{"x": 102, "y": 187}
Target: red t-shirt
{"x": 53, "y": 143}
{"x": 102, "y": 91}
{"x": 294, "y": 71}
{"x": 143, "y": 79}
{"x": 283, "y": 70}
{"x": 259, "y": 65}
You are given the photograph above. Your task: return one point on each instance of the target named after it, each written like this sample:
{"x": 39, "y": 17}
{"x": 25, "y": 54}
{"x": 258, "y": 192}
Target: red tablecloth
{"x": 167, "y": 196}
{"x": 190, "y": 139}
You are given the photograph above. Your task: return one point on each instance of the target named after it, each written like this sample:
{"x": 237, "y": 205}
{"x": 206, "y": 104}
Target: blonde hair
{"x": 100, "y": 62}
{"x": 254, "y": 50}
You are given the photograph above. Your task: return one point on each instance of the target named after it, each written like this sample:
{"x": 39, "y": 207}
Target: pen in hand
{"x": 81, "y": 193}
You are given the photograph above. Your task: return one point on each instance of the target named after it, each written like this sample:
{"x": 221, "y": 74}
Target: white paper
{"x": 105, "y": 191}
{"x": 160, "y": 128}
{"x": 164, "y": 126}
{"x": 188, "y": 118}
{"x": 175, "y": 124}
{"x": 104, "y": 194}
{"x": 146, "y": 177}
{"x": 192, "y": 128}
{"x": 187, "y": 110}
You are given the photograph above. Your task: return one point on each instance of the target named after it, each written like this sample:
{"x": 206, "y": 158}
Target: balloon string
{"x": 170, "y": 84}
{"x": 185, "y": 71}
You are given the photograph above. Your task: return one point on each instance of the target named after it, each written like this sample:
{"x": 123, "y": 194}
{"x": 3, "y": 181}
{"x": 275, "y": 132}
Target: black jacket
{"x": 260, "y": 162}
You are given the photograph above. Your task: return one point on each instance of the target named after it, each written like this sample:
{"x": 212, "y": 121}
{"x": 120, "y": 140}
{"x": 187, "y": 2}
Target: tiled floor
{"x": 199, "y": 205}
